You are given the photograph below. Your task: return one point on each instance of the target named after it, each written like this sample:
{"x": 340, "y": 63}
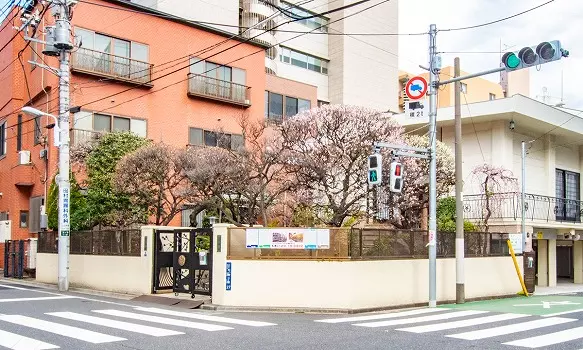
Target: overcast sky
{"x": 559, "y": 20}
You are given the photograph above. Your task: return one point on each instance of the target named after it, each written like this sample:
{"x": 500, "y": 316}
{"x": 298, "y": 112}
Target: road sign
{"x": 416, "y": 88}
{"x": 417, "y": 109}
{"x": 228, "y": 275}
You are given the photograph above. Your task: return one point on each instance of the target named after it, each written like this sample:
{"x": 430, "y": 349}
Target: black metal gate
{"x": 14, "y": 258}
{"x": 183, "y": 261}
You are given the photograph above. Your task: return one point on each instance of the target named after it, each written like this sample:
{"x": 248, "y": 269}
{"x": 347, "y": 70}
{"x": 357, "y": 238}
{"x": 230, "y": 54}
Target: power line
{"x": 474, "y": 127}
{"x": 231, "y": 47}
{"x": 558, "y": 126}
{"x": 498, "y": 20}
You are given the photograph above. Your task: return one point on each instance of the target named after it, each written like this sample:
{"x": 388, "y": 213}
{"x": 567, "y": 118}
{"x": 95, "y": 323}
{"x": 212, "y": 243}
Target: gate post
{"x": 6, "y": 257}
{"x": 20, "y": 259}
{"x": 13, "y": 254}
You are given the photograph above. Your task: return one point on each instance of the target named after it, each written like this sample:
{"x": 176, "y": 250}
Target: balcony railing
{"x": 78, "y": 136}
{"x": 507, "y": 206}
{"x": 115, "y": 67}
{"x": 222, "y": 90}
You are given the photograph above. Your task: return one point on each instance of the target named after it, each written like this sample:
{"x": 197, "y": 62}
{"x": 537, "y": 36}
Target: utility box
{"x": 529, "y": 267}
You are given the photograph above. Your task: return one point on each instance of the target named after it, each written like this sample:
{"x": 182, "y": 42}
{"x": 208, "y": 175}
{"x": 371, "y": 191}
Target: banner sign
{"x": 288, "y": 238}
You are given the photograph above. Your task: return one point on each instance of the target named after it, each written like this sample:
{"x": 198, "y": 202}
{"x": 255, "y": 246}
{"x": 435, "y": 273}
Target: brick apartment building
{"x": 125, "y": 45}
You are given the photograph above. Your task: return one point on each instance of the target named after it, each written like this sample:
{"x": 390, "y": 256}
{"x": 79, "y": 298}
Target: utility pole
{"x": 433, "y": 79}
{"x": 522, "y": 201}
{"x": 459, "y": 200}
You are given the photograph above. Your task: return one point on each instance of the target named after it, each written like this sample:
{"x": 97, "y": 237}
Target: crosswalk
{"x": 512, "y": 330}
{"x": 149, "y": 321}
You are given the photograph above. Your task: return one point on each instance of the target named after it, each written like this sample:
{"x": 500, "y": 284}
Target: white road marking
{"x": 563, "y": 313}
{"x": 461, "y": 324}
{"x": 421, "y": 319}
{"x": 381, "y": 316}
{"x": 513, "y": 328}
{"x": 549, "y": 339}
{"x": 210, "y": 318}
{"x": 126, "y": 326}
{"x": 164, "y": 320}
{"x": 61, "y": 329}
{"x": 28, "y": 289}
{"x": 19, "y": 342}
{"x": 36, "y": 299}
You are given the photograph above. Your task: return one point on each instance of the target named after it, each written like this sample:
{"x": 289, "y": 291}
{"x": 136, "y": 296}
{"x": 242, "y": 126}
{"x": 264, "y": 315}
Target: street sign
{"x": 416, "y": 88}
{"x": 228, "y": 275}
{"x": 516, "y": 241}
{"x": 417, "y": 109}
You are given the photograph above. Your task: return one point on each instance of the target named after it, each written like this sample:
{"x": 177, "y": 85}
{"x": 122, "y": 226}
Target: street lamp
{"x": 38, "y": 113}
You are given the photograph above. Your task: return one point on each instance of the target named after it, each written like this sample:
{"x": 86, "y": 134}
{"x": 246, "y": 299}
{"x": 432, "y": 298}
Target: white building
{"x": 357, "y": 70}
{"x": 492, "y": 133}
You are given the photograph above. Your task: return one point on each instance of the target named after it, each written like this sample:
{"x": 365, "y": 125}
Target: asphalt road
{"x": 36, "y": 318}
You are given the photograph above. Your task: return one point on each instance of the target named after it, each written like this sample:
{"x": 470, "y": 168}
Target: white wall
{"x": 358, "y": 284}
{"x": 536, "y": 165}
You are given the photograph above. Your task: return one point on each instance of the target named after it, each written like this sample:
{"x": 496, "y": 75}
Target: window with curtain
{"x": 567, "y": 188}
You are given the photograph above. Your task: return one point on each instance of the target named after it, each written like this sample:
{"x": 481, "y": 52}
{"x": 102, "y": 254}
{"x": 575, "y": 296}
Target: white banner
{"x": 288, "y": 238}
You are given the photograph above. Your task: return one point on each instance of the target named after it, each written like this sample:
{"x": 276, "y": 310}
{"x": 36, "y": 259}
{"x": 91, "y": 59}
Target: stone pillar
{"x": 578, "y": 261}
{"x": 542, "y": 262}
{"x": 552, "y": 255}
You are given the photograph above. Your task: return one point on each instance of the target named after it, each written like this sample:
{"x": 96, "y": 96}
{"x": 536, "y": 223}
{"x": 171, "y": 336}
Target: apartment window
{"x": 319, "y": 22}
{"x": 3, "y": 139}
{"x": 322, "y": 103}
{"x": 200, "y": 137}
{"x": 24, "y": 218}
{"x": 19, "y": 133}
{"x": 492, "y": 97}
{"x": 274, "y": 104}
{"x": 567, "y": 190}
{"x": 464, "y": 88}
{"x": 37, "y": 131}
{"x": 106, "y": 122}
{"x": 103, "y": 43}
{"x": 217, "y": 71}
{"x": 302, "y": 60}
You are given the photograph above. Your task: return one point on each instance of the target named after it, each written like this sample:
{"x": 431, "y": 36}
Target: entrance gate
{"x": 183, "y": 261}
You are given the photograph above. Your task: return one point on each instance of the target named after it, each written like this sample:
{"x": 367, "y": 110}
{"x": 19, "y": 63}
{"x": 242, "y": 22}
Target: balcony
{"x": 114, "y": 67}
{"x": 507, "y": 206}
{"x": 221, "y": 90}
{"x": 79, "y": 137}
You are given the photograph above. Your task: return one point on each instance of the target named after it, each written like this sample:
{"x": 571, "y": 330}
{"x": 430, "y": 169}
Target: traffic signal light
{"x": 375, "y": 165}
{"x": 396, "y": 177}
{"x": 544, "y": 52}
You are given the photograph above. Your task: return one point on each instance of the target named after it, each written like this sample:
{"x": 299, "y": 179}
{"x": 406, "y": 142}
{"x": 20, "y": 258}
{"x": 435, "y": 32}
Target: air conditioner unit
{"x": 23, "y": 157}
{"x": 31, "y": 253}
{"x": 5, "y": 230}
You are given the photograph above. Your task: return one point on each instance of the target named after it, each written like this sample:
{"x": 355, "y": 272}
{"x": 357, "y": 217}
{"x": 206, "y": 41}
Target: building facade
{"x": 492, "y": 134}
{"x": 345, "y": 68}
{"x": 132, "y": 70}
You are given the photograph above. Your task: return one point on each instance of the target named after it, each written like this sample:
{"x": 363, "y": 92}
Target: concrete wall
{"x": 351, "y": 284}
{"x": 119, "y": 274}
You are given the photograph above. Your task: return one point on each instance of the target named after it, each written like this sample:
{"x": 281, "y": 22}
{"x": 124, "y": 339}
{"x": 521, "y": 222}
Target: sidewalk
{"x": 562, "y": 288}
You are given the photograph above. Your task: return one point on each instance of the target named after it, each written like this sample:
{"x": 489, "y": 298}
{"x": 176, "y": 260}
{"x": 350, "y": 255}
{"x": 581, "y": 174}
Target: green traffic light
{"x": 510, "y": 60}
{"x": 372, "y": 175}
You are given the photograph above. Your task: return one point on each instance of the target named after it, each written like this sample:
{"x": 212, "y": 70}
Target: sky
{"x": 558, "y": 20}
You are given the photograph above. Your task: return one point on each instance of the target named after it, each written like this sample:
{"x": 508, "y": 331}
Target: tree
{"x": 495, "y": 184}
{"x": 414, "y": 198}
{"x": 79, "y": 219}
{"x": 327, "y": 150}
{"x": 154, "y": 180}
{"x": 446, "y": 216}
{"x": 99, "y": 158}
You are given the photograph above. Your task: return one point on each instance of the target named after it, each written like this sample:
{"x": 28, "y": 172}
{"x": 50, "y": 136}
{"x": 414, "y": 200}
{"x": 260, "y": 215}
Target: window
{"x": 318, "y": 22}
{"x": 567, "y": 190}
{"x": 121, "y": 124}
{"x": 200, "y": 137}
{"x": 110, "y": 45}
{"x": 464, "y": 88}
{"x": 303, "y": 60}
{"x": 101, "y": 122}
{"x": 322, "y": 103}
{"x": 108, "y": 123}
{"x": 24, "y": 218}
{"x": 19, "y": 133}
{"x": 303, "y": 105}
{"x": 3, "y": 139}
{"x": 37, "y": 131}
{"x": 291, "y": 106}
{"x": 492, "y": 97}
{"x": 274, "y": 104}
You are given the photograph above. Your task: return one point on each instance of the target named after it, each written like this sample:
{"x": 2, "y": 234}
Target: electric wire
{"x": 496, "y": 21}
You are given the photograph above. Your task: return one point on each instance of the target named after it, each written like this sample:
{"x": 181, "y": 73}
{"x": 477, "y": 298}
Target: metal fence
{"x": 105, "y": 242}
{"x": 375, "y": 244}
{"x": 104, "y": 63}
{"x": 507, "y": 206}
{"x": 201, "y": 85}
{"x": 17, "y": 259}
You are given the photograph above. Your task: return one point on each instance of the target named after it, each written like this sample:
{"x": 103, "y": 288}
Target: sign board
{"x": 417, "y": 109}
{"x": 416, "y": 88}
{"x": 287, "y": 238}
{"x": 228, "y": 276}
{"x": 516, "y": 241}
